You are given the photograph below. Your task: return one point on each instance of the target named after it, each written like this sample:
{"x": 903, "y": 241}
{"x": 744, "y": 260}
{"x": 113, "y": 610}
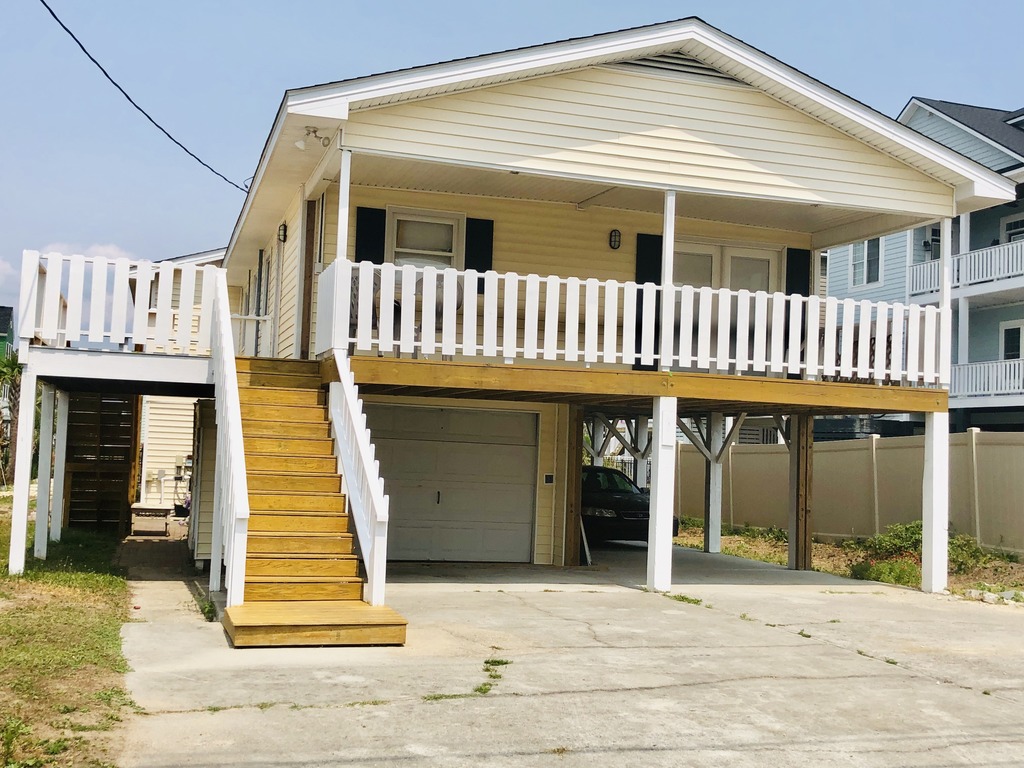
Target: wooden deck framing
{"x": 626, "y": 390}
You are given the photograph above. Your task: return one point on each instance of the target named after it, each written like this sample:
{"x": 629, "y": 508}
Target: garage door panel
{"x": 483, "y": 464}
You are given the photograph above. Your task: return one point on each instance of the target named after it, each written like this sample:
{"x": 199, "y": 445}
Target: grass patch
{"x": 483, "y": 689}
{"x": 60, "y": 650}
{"x": 902, "y": 571}
{"x": 686, "y": 599}
{"x": 447, "y": 696}
{"x": 367, "y": 703}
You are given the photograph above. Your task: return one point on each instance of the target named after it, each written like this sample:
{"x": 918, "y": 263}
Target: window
{"x": 866, "y": 262}
{"x": 1010, "y": 339}
{"x": 425, "y": 238}
{"x": 1012, "y": 228}
{"x": 735, "y": 268}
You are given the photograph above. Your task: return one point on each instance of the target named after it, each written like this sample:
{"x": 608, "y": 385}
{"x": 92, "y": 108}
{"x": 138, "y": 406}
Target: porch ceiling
{"x": 634, "y": 391}
{"x": 393, "y": 173}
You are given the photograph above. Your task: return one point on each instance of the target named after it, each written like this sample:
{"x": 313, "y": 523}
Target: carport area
{"x": 581, "y": 667}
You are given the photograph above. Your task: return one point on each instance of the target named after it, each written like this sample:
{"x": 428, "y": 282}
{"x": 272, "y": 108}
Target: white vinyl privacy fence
{"x": 862, "y": 486}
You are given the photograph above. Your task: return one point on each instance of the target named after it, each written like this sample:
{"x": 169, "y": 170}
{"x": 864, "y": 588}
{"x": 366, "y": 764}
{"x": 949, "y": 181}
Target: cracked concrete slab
{"x": 792, "y": 669}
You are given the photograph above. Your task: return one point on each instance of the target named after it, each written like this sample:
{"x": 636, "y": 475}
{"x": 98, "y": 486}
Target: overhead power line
{"x": 132, "y": 101}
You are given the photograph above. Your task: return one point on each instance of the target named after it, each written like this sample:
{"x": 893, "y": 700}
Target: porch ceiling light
{"x": 311, "y": 132}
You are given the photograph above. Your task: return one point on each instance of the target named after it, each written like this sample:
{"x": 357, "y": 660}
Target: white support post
{"x": 598, "y": 444}
{"x": 60, "y": 455}
{"x": 45, "y": 455}
{"x": 713, "y": 483}
{"x": 945, "y": 309}
{"x": 935, "y": 503}
{"x": 965, "y": 233}
{"x": 963, "y": 331}
{"x": 344, "y": 187}
{"x": 22, "y": 470}
{"x": 659, "y": 537}
{"x": 668, "y": 248}
{"x": 642, "y": 440}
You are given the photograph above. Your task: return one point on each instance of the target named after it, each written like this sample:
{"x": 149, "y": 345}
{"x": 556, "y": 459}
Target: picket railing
{"x": 423, "y": 311}
{"x": 986, "y": 265}
{"x": 996, "y": 263}
{"x": 360, "y": 471}
{"x": 987, "y": 379}
{"x": 231, "y": 493}
{"x": 925, "y": 277}
{"x": 90, "y": 302}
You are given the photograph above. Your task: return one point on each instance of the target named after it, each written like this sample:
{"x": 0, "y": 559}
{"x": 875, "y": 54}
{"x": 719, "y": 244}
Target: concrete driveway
{"x": 772, "y": 668}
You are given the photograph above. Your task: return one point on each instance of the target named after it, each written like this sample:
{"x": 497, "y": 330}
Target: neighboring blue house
{"x": 987, "y": 389}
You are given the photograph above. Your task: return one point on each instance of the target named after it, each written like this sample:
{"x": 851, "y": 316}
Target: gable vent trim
{"x": 679, "y": 64}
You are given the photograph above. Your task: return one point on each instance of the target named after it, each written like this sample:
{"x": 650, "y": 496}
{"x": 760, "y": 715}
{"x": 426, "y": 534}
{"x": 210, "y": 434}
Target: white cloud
{"x": 108, "y": 250}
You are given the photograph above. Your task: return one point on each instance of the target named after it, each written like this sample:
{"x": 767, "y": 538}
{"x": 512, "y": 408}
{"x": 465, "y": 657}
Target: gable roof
{"x": 992, "y": 124}
{"x": 329, "y": 105}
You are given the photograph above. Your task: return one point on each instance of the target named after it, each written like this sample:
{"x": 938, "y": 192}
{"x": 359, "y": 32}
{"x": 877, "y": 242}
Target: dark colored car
{"x": 614, "y": 508}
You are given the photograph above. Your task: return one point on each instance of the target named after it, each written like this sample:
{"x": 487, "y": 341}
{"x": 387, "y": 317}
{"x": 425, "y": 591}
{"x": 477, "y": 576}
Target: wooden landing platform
{"x": 313, "y": 622}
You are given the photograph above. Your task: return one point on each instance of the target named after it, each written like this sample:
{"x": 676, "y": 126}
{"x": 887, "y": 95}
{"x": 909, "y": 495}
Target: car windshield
{"x": 608, "y": 480}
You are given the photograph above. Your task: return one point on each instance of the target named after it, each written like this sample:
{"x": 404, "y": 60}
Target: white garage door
{"x": 461, "y": 482}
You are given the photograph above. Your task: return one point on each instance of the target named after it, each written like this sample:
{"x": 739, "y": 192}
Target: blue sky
{"x": 81, "y": 171}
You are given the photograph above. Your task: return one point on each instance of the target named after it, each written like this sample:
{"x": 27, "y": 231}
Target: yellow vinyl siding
{"x": 168, "y": 435}
{"x": 291, "y": 279}
{"x": 201, "y": 517}
{"x": 549, "y": 507}
{"x": 648, "y": 129}
{"x": 556, "y": 239}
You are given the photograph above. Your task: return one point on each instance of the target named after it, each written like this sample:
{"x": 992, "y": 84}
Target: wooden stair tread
{"x": 299, "y": 534}
{"x": 300, "y": 556}
{"x": 303, "y": 579}
{"x": 312, "y": 613}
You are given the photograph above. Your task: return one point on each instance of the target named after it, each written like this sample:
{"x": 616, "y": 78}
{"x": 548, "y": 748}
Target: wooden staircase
{"x": 302, "y": 580}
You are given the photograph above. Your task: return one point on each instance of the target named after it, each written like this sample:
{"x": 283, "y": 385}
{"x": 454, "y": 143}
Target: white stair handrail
{"x": 231, "y": 492}
{"x": 364, "y": 487}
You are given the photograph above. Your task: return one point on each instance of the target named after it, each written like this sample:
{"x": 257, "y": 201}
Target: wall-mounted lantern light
{"x": 614, "y": 239}
{"x": 282, "y": 233}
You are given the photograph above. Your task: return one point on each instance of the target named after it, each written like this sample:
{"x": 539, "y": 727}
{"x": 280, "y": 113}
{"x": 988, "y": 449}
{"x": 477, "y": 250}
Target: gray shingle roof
{"x": 990, "y": 123}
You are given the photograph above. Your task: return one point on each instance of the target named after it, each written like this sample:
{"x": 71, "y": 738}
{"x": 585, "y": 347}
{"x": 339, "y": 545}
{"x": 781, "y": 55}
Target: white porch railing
{"x": 986, "y": 265}
{"x": 925, "y": 277}
{"x": 360, "y": 471}
{"x": 410, "y": 310}
{"x": 83, "y": 302}
{"x": 231, "y": 492}
{"x": 997, "y": 377}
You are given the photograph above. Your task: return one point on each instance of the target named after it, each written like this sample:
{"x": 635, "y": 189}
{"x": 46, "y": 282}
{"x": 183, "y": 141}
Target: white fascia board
{"x": 557, "y": 56}
{"x": 843, "y": 105}
{"x": 333, "y": 107}
{"x": 966, "y": 128}
{"x": 908, "y": 111}
{"x": 261, "y": 169}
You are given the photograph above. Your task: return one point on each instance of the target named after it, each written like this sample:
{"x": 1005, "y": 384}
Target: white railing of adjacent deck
{"x": 986, "y": 265}
{"x": 360, "y": 471}
{"x": 85, "y": 302}
{"x": 925, "y": 277}
{"x": 231, "y": 492}
{"x": 422, "y": 311}
{"x": 988, "y": 379}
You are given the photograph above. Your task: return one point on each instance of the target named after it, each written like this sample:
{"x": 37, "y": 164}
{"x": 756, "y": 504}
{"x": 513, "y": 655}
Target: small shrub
{"x": 902, "y": 571}
{"x": 899, "y": 539}
{"x": 965, "y": 554}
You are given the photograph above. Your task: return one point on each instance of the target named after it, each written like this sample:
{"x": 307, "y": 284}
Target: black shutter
{"x": 798, "y": 272}
{"x": 798, "y": 280}
{"x": 648, "y": 259}
{"x": 648, "y": 270}
{"x": 479, "y": 244}
{"x": 371, "y": 224}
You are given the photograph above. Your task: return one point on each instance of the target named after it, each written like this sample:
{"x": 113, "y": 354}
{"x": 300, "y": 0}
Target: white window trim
{"x": 881, "y": 265}
{"x": 1003, "y": 237}
{"x": 1003, "y": 327}
{"x": 458, "y": 220}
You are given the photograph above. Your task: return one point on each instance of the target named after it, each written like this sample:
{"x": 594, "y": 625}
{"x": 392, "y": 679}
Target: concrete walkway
{"x": 772, "y": 668}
